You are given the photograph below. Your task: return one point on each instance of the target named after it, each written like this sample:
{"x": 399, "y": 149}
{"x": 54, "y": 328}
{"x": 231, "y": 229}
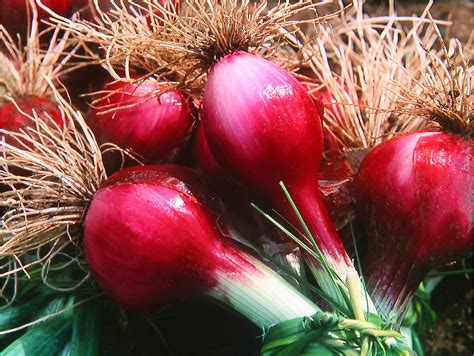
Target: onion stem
{"x": 261, "y": 295}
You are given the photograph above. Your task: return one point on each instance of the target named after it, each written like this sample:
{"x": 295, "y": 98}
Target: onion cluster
{"x": 161, "y": 233}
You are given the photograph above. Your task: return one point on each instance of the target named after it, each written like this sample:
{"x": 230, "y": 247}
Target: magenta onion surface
{"x": 204, "y": 159}
{"x": 161, "y": 243}
{"x": 262, "y": 125}
{"x": 414, "y": 193}
{"x": 134, "y": 118}
{"x": 236, "y": 198}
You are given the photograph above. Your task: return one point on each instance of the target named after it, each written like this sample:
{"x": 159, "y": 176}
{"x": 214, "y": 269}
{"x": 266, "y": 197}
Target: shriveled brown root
{"x": 360, "y": 61}
{"x": 180, "y": 49}
{"x": 443, "y": 94}
{"x": 124, "y": 35}
{"x": 48, "y": 175}
{"x": 24, "y": 69}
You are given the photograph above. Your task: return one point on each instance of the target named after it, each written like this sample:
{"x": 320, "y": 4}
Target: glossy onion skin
{"x": 235, "y": 197}
{"x": 154, "y": 127}
{"x": 263, "y": 126}
{"x": 414, "y": 194}
{"x": 149, "y": 239}
{"x": 204, "y": 159}
{"x": 257, "y": 95}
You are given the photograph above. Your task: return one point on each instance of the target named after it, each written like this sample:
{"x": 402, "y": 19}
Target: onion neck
{"x": 392, "y": 280}
{"x": 257, "y": 292}
{"x": 307, "y": 199}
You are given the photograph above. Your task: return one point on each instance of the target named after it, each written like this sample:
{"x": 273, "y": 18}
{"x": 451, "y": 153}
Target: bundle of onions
{"x": 132, "y": 117}
{"x": 261, "y": 125}
{"x": 259, "y": 121}
{"x": 150, "y": 234}
{"x": 414, "y": 191}
{"x": 372, "y": 65}
{"x": 27, "y": 75}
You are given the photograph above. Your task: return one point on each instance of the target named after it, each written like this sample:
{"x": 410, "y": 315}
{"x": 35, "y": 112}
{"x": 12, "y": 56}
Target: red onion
{"x": 134, "y": 118}
{"x": 263, "y": 126}
{"x": 13, "y": 120}
{"x": 235, "y": 196}
{"x": 237, "y": 201}
{"x": 204, "y": 159}
{"x": 335, "y": 173}
{"x": 161, "y": 243}
{"x": 14, "y": 13}
{"x": 414, "y": 193}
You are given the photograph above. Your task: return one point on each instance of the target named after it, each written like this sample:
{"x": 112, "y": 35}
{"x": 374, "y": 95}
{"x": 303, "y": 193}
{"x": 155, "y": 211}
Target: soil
{"x": 453, "y": 335}
{"x": 453, "y": 302}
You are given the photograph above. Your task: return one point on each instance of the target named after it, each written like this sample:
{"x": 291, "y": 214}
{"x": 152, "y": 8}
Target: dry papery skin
{"x": 26, "y": 70}
{"x": 153, "y": 39}
{"x": 363, "y": 61}
{"x": 47, "y": 178}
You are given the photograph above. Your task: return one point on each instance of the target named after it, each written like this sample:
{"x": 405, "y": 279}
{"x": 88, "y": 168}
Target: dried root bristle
{"x": 443, "y": 93}
{"x": 48, "y": 175}
{"x": 126, "y": 35}
{"x": 26, "y": 70}
{"x": 152, "y": 38}
{"x": 360, "y": 61}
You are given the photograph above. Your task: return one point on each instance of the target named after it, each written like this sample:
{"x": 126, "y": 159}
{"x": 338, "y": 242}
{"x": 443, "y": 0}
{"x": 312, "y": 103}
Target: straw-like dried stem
{"x": 151, "y": 38}
{"x": 24, "y": 69}
{"x": 48, "y": 175}
{"x": 360, "y": 62}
